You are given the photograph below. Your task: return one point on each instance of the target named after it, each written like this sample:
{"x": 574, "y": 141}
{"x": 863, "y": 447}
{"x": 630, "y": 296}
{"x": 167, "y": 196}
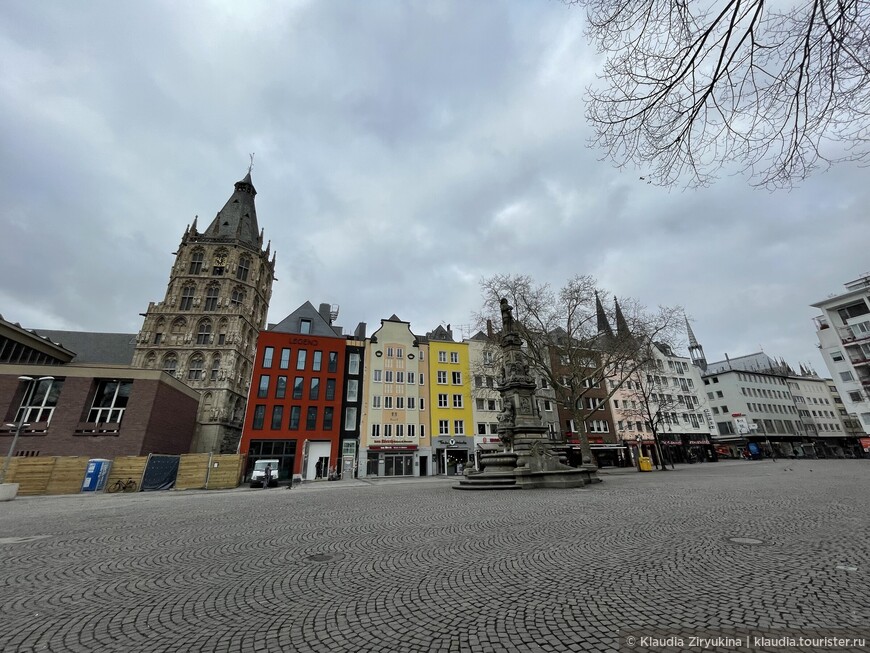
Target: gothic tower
{"x": 204, "y": 332}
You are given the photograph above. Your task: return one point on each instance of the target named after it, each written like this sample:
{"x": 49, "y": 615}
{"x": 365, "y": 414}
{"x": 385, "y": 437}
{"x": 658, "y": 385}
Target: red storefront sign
{"x": 865, "y": 444}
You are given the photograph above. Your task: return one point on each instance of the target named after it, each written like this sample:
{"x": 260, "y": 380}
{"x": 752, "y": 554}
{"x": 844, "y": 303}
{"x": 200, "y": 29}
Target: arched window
{"x": 211, "y": 298}
{"x": 243, "y": 269}
{"x": 215, "y": 366}
{"x": 194, "y": 368}
{"x": 170, "y": 364}
{"x": 196, "y": 262}
{"x": 203, "y": 334}
{"x": 223, "y": 327}
{"x": 186, "y": 298}
{"x": 158, "y": 331}
{"x": 206, "y": 406}
{"x": 151, "y": 361}
{"x": 179, "y": 326}
{"x": 238, "y": 297}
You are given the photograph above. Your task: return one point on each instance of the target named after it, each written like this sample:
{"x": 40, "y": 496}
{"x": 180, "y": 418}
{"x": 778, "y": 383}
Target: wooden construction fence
{"x": 65, "y": 474}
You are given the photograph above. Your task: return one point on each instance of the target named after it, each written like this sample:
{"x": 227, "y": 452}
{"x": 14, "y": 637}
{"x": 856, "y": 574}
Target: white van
{"x": 260, "y": 471}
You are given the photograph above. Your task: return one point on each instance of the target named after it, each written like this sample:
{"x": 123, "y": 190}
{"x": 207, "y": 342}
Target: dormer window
{"x": 305, "y": 326}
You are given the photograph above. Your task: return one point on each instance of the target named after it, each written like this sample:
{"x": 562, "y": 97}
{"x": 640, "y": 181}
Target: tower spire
{"x": 621, "y": 324}
{"x": 603, "y": 323}
{"x": 696, "y": 351}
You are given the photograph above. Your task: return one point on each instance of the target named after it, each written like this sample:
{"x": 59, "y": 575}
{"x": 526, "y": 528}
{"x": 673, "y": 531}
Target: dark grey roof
{"x": 238, "y": 219}
{"x": 319, "y": 326}
{"x": 89, "y": 347}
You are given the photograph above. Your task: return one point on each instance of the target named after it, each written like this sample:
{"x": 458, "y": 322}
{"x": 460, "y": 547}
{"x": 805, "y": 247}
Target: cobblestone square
{"x": 413, "y": 565}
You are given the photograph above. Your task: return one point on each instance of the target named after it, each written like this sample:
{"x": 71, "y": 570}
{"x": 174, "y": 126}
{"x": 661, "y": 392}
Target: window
{"x": 442, "y": 377}
{"x": 388, "y": 402}
{"x": 376, "y": 375}
{"x": 388, "y": 376}
{"x": 411, "y": 378}
{"x": 244, "y": 267}
{"x": 400, "y": 377}
{"x": 846, "y": 376}
{"x": 457, "y": 378}
{"x": 39, "y": 402}
{"x": 327, "y": 418}
{"x": 719, "y": 394}
{"x": 318, "y": 361}
{"x": 388, "y": 430}
{"x": 376, "y": 430}
{"x": 311, "y": 418}
{"x": 853, "y": 310}
{"x": 376, "y": 401}
{"x": 422, "y": 406}
{"x": 422, "y": 430}
{"x": 443, "y": 427}
{"x": 352, "y": 389}
{"x": 263, "y": 388}
{"x": 442, "y": 356}
{"x": 457, "y": 401}
{"x": 330, "y": 389}
{"x": 298, "y": 385}
{"x": 304, "y": 326}
{"x": 389, "y": 352}
{"x": 350, "y": 418}
{"x": 211, "y": 298}
{"x": 442, "y": 400}
{"x": 399, "y": 352}
{"x": 195, "y": 263}
{"x": 295, "y": 415}
{"x": 277, "y": 417}
{"x": 203, "y": 335}
{"x": 412, "y": 403}
{"x": 268, "y": 353}
{"x": 259, "y": 417}
{"x": 170, "y": 364}
{"x": 479, "y": 403}
{"x": 186, "y": 298}
{"x": 421, "y": 378}
{"x": 281, "y": 387}
{"x": 352, "y": 362}
{"x": 547, "y": 405}
{"x": 215, "y": 367}
{"x": 237, "y": 298}
{"x": 285, "y": 358}
{"x": 110, "y": 400}
{"x": 855, "y": 396}
{"x": 411, "y": 429}
{"x": 314, "y": 389}
{"x": 454, "y": 357}
{"x": 300, "y": 359}
{"x": 459, "y": 427}
{"x": 194, "y": 368}
{"x": 400, "y": 402}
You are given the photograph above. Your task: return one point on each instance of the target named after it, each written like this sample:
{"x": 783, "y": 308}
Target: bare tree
{"x": 692, "y": 86}
{"x": 567, "y": 344}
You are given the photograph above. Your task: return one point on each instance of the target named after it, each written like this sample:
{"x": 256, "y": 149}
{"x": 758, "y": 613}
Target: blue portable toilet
{"x": 96, "y": 474}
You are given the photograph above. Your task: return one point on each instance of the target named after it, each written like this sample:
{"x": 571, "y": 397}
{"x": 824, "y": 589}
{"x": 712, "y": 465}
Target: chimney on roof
{"x": 360, "y": 333}
{"x": 489, "y": 328}
{"x": 324, "y": 313}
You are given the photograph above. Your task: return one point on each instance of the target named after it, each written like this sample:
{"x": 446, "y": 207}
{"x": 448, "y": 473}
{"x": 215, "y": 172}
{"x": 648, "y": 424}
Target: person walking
{"x": 267, "y": 476}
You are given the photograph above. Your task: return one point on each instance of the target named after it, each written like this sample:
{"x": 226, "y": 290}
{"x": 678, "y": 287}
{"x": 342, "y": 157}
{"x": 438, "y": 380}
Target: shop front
{"x": 672, "y": 448}
{"x": 697, "y": 448}
{"x": 392, "y": 460}
{"x": 453, "y": 455}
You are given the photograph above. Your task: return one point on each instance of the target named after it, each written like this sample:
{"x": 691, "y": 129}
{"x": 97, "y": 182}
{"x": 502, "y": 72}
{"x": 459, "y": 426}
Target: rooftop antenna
{"x": 250, "y": 167}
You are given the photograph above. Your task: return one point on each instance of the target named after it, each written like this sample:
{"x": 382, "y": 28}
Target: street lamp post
{"x": 20, "y": 424}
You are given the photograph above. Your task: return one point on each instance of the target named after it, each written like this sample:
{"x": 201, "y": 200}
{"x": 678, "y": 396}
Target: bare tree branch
{"x": 692, "y": 86}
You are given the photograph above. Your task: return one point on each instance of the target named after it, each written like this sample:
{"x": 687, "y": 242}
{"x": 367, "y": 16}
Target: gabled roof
{"x": 34, "y": 342}
{"x": 293, "y": 322}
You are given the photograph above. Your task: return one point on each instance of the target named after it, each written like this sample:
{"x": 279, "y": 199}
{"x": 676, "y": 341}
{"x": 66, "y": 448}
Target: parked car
{"x": 257, "y": 476}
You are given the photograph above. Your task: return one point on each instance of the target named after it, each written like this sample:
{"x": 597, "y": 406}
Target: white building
{"x": 843, "y": 329}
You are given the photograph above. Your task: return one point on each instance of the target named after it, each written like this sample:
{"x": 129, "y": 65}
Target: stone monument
{"x": 528, "y": 459}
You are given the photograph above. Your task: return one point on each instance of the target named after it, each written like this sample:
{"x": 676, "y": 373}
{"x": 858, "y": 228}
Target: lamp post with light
{"x": 20, "y": 423}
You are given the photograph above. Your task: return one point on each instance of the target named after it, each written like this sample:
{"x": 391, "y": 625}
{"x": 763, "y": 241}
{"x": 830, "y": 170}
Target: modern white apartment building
{"x": 843, "y": 329}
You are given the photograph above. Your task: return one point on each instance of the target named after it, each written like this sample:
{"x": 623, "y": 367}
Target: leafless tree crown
{"x": 691, "y": 86}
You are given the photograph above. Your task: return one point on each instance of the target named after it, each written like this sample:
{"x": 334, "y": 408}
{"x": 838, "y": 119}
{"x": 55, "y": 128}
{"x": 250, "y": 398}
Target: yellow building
{"x": 452, "y": 419}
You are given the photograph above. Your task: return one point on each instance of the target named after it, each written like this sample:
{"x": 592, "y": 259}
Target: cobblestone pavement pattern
{"x": 416, "y": 566}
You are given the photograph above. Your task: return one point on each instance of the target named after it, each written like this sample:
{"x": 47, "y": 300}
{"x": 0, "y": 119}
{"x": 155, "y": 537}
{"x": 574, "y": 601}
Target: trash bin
{"x": 96, "y": 475}
{"x": 645, "y": 463}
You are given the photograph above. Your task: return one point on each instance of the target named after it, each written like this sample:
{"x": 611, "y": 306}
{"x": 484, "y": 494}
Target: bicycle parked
{"x": 122, "y": 486}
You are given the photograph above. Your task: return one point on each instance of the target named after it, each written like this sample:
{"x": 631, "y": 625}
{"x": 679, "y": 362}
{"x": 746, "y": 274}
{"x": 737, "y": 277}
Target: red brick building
{"x": 72, "y": 407}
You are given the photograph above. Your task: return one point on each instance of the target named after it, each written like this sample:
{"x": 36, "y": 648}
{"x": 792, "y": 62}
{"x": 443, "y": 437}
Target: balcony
{"x": 852, "y": 335}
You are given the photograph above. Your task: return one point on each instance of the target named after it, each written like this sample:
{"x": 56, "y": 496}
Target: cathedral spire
{"x": 621, "y": 324}
{"x": 696, "y": 351}
{"x": 603, "y": 323}
{"x": 693, "y": 342}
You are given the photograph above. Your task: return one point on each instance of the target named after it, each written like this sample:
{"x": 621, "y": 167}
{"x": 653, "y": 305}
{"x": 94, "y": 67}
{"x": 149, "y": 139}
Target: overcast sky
{"x": 404, "y": 150}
